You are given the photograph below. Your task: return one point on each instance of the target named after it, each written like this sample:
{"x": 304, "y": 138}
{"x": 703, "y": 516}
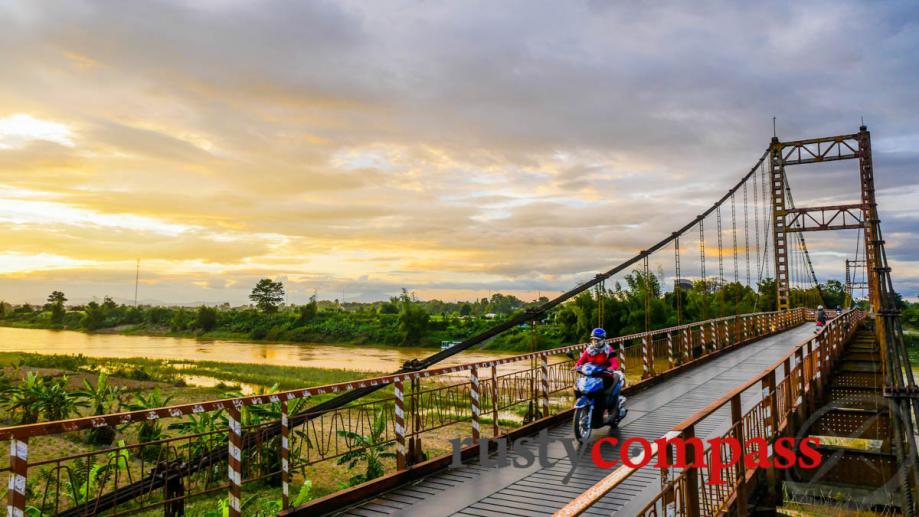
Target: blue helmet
{"x": 598, "y": 333}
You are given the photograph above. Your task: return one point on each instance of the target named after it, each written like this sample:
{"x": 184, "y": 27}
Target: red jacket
{"x": 606, "y": 358}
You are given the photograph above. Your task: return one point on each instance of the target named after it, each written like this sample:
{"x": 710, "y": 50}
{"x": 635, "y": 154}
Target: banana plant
{"x": 23, "y": 399}
{"x": 149, "y": 430}
{"x": 102, "y": 398}
{"x": 369, "y": 449}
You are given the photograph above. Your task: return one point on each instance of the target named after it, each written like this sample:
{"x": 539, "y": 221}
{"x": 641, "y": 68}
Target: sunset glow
{"x": 337, "y": 147}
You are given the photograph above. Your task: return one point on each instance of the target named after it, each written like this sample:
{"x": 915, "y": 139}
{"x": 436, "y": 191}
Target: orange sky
{"x": 354, "y": 148}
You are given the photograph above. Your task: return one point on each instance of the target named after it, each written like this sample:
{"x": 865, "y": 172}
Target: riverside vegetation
{"x": 404, "y": 320}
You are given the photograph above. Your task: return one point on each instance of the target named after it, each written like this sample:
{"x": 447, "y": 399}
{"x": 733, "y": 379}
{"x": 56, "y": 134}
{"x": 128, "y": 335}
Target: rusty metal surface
{"x": 823, "y": 218}
{"x": 853, "y": 423}
{"x": 852, "y": 467}
{"x": 798, "y": 152}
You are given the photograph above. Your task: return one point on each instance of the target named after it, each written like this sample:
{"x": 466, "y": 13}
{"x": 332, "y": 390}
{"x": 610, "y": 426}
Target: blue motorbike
{"x": 589, "y": 404}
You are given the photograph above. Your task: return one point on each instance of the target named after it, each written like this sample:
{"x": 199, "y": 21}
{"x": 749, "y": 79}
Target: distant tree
{"x": 206, "y": 318}
{"x": 390, "y": 307}
{"x": 56, "y": 302}
{"x": 309, "y": 311}
{"x": 834, "y": 293}
{"x": 108, "y": 304}
{"x": 910, "y": 316}
{"x": 158, "y": 316}
{"x": 57, "y": 297}
{"x": 466, "y": 309}
{"x": 413, "y": 320}
{"x": 768, "y": 300}
{"x": 94, "y": 317}
{"x": 267, "y": 295}
{"x": 567, "y": 318}
{"x": 179, "y": 321}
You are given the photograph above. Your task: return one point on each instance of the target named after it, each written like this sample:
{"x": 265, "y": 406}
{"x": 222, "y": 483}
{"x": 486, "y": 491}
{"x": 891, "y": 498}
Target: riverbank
{"x": 157, "y": 331}
{"x": 322, "y": 357}
{"x": 332, "y": 325}
{"x": 176, "y": 374}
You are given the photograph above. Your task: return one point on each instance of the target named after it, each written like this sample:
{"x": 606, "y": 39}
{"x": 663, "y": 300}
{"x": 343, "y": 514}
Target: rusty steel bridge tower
{"x": 900, "y": 392}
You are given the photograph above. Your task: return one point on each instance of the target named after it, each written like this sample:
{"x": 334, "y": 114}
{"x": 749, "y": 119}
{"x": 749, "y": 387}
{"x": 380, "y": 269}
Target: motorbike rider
{"x": 821, "y": 315}
{"x": 599, "y": 353}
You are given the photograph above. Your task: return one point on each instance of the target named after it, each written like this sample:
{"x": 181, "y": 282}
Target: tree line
{"x": 638, "y": 302}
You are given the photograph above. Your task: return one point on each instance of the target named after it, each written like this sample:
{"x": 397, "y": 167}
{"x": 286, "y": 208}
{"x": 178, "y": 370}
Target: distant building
{"x": 683, "y": 284}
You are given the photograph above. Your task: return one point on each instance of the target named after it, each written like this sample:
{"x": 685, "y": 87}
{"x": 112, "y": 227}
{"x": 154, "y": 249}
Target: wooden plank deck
{"x": 474, "y": 490}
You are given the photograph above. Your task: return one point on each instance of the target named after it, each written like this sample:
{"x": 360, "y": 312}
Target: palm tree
{"x": 368, "y": 449}
{"x": 101, "y": 398}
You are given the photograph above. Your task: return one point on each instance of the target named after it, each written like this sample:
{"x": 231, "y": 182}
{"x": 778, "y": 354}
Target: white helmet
{"x": 820, "y": 307}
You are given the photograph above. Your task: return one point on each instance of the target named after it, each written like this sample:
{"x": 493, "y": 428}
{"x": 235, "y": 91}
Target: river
{"x": 363, "y": 358}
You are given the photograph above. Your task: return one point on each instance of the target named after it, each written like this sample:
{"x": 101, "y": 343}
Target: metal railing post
{"x": 740, "y": 469}
{"x": 811, "y": 375}
{"x": 773, "y": 422}
{"x": 692, "y": 475}
{"x": 544, "y": 384}
{"x": 19, "y": 472}
{"x": 474, "y": 399}
{"x": 399, "y": 392}
{"x": 621, "y": 354}
{"x": 687, "y": 344}
{"x": 714, "y": 336}
{"x": 234, "y": 461}
{"x": 647, "y": 356}
{"x": 495, "y": 430}
{"x": 786, "y": 372}
{"x": 285, "y": 456}
{"x": 670, "y": 357}
{"x": 820, "y": 366}
{"x": 802, "y": 383}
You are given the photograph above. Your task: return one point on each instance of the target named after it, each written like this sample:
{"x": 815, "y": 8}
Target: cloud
{"x": 521, "y": 145}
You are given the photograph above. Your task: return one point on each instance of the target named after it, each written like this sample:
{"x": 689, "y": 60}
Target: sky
{"x": 455, "y": 149}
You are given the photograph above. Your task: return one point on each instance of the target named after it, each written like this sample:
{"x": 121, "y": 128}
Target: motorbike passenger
{"x": 601, "y": 354}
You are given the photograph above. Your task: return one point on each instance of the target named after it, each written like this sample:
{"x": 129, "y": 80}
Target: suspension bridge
{"x": 758, "y": 372}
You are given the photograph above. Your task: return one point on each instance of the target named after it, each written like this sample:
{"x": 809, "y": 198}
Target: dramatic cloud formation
{"x": 448, "y": 147}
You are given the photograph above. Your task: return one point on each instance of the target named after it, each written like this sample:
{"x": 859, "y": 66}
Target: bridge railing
{"x": 269, "y": 441}
{"x": 761, "y": 409}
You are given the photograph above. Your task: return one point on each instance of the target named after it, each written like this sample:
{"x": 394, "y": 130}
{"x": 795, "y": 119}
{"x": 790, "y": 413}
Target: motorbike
{"x": 588, "y": 406}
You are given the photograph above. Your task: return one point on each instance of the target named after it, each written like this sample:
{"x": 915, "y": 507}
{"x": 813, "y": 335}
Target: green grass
{"x": 139, "y": 368}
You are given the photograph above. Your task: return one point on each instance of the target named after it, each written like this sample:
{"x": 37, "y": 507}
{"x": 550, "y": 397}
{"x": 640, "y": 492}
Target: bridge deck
{"x": 474, "y": 490}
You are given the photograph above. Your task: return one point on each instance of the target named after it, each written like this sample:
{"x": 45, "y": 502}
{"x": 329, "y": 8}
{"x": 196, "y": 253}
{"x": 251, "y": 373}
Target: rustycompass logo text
{"x": 636, "y": 452}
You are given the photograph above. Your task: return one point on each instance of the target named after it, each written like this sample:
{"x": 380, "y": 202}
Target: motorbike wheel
{"x": 581, "y": 423}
